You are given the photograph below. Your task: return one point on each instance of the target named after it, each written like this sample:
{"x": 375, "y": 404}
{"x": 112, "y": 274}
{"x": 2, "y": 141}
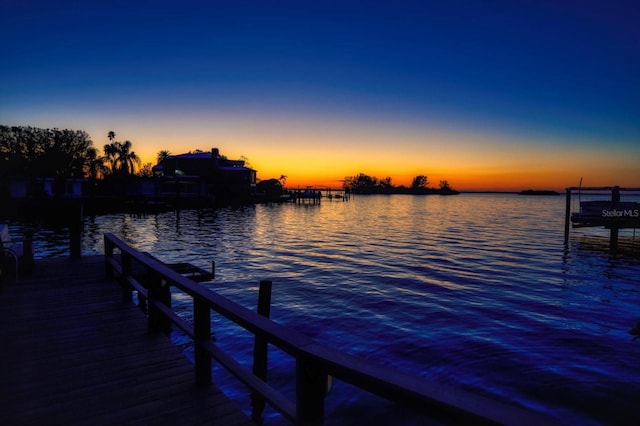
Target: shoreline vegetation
{"x": 365, "y": 184}
{"x": 41, "y": 168}
{"x": 56, "y": 168}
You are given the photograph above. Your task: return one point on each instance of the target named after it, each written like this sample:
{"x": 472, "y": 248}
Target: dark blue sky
{"x": 564, "y": 73}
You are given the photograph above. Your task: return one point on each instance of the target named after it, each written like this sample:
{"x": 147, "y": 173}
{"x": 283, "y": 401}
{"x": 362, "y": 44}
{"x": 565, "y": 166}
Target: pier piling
{"x": 75, "y": 231}
{"x": 613, "y": 234}
{"x": 567, "y": 216}
{"x": 260, "y": 352}
{"x": 202, "y": 332}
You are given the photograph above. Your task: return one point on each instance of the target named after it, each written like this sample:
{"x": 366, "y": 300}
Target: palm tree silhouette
{"x": 94, "y": 164}
{"x": 120, "y": 157}
{"x": 126, "y": 159}
{"x": 111, "y": 155}
{"x": 162, "y": 155}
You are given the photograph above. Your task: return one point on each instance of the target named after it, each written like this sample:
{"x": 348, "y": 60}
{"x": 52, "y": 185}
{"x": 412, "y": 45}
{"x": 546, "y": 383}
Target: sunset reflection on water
{"x": 475, "y": 290}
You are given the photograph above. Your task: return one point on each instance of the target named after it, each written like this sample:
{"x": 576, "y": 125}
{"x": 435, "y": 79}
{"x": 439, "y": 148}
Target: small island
{"x": 538, "y": 192}
{"x": 365, "y": 184}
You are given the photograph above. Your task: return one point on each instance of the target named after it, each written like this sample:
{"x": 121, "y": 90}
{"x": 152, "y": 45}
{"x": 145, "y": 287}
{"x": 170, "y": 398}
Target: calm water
{"x": 476, "y": 291}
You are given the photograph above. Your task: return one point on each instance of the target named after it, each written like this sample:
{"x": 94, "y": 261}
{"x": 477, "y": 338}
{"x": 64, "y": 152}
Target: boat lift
{"x": 612, "y": 214}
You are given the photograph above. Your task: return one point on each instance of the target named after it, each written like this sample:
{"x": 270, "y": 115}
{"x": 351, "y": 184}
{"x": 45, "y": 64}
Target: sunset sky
{"x": 489, "y": 95}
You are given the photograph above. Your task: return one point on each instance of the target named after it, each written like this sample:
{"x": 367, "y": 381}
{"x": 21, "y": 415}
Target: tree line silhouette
{"x": 365, "y": 184}
{"x": 63, "y": 154}
{"x": 36, "y": 152}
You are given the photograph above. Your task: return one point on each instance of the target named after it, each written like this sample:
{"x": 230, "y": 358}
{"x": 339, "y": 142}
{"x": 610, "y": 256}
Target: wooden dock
{"x": 74, "y": 353}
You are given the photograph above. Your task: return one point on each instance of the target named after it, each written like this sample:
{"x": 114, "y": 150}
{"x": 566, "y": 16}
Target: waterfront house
{"x": 205, "y": 175}
{"x": 22, "y": 186}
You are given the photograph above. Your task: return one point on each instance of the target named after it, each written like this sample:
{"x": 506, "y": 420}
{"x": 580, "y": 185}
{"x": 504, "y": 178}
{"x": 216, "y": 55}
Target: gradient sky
{"x": 490, "y": 95}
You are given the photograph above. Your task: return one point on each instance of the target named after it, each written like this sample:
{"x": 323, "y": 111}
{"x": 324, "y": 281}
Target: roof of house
{"x": 203, "y": 155}
{"x": 226, "y": 164}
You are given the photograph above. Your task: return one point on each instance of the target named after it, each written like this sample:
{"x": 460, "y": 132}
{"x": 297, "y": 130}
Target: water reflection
{"x": 477, "y": 291}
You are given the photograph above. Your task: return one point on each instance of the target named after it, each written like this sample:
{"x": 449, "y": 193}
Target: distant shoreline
{"x": 488, "y": 192}
{"x": 461, "y": 191}
{"x": 538, "y": 192}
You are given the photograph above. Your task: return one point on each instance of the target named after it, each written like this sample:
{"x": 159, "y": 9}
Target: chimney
{"x": 215, "y": 153}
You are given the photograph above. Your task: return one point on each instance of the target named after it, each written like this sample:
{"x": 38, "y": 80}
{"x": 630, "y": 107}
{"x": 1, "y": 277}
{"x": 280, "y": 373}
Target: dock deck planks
{"x": 74, "y": 353}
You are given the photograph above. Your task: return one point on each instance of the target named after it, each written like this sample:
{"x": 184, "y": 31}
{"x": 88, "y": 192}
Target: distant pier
{"x": 314, "y": 196}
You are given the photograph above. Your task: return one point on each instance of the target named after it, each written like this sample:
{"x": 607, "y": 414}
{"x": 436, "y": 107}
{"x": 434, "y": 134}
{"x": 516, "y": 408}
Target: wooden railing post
{"x": 260, "y": 353}
{"x": 158, "y": 290}
{"x": 127, "y": 270}
{"x": 75, "y": 231}
{"x": 27, "y": 251}
{"x": 108, "y": 256}
{"x": 311, "y": 389}
{"x": 202, "y": 333}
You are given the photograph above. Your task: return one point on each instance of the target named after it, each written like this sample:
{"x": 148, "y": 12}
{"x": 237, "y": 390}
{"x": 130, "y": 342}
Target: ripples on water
{"x": 477, "y": 291}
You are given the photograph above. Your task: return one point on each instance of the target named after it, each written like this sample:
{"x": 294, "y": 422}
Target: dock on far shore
{"x": 74, "y": 353}
{"x": 314, "y": 196}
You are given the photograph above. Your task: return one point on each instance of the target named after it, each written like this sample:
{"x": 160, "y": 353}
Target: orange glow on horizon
{"x": 322, "y": 155}
{"x": 309, "y": 167}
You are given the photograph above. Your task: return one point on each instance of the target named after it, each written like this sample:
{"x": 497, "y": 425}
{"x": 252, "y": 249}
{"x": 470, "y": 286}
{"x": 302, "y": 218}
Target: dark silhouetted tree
{"x": 360, "y": 184}
{"x": 271, "y": 188}
{"x": 111, "y": 156}
{"x": 146, "y": 170}
{"x": 364, "y": 184}
{"x": 45, "y": 153}
{"x": 246, "y": 161}
{"x": 419, "y": 182}
{"x": 386, "y": 187}
{"x": 37, "y": 152}
{"x": 122, "y": 160}
{"x": 162, "y": 155}
{"x": 127, "y": 160}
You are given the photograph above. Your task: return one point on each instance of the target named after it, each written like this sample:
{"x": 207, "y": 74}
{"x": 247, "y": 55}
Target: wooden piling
{"x": 27, "y": 252}
{"x": 311, "y": 389}
{"x": 159, "y": 290}
{"x": 127, "y": 270}
{"x": 75, "y": 232}
{"x": 260, "y": 352}
{"x": 613, "y": 234}
{"x": 202, "y": 333}
{"x": 567, "y": 216}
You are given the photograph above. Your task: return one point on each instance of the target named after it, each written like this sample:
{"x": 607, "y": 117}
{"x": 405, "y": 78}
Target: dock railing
{"x": 314, "y": 362}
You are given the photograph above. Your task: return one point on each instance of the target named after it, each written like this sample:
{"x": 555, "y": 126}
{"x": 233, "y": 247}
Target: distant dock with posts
{"x": 314, "y": 196}
{"x": 613, "y": 214}
{"x": 77, "y": 350}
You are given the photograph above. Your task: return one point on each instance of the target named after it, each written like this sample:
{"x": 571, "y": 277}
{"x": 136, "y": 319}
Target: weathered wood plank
{"x": 74, "y": 353}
